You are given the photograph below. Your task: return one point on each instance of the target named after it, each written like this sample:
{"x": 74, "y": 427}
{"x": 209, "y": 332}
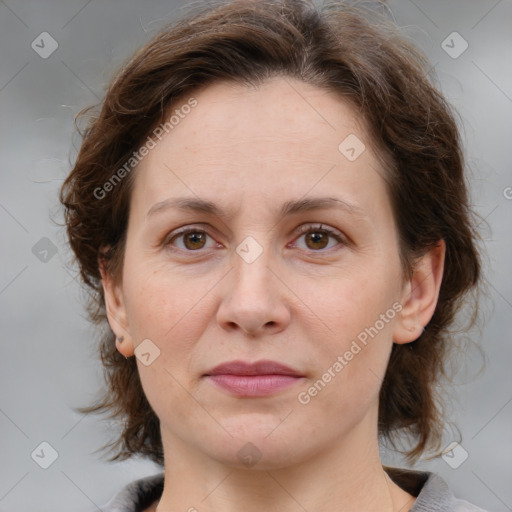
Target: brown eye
{"x": 189, "y": 240}
{"x": 194, "y": 240}
{"x": 317, "y": 240}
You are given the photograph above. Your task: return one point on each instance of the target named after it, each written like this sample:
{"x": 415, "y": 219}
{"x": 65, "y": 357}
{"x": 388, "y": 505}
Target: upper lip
{"x": 265, "y": 367}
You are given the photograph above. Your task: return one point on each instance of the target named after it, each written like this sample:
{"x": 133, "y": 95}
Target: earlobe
{"x": 420, "y": 295}
{"x": 124, "y": 347}
{"x": 116, "y": 312}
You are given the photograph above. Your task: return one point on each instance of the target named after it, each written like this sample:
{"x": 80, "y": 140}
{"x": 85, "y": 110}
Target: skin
{"x": 301, "y": 302}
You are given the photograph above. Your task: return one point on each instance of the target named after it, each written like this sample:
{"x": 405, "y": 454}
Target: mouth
{"x": 257, "y": 379}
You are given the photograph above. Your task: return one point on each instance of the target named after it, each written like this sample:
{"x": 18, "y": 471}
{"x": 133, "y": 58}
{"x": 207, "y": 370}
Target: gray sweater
{"x": 431, "y": 492}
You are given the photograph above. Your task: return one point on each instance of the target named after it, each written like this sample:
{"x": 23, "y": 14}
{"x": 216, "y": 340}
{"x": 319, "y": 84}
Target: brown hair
{"x": 339, "y": 49}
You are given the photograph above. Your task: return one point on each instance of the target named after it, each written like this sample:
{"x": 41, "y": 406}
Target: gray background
{"x": 48, "y": 362}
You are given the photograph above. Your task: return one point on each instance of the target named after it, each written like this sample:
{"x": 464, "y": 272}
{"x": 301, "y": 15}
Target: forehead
{"x": 280, "y": 109}
{"x": 283, "y": 137}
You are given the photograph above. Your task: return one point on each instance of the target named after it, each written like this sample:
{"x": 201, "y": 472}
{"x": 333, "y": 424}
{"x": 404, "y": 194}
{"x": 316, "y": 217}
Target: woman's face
{"x": 260, "y": 278}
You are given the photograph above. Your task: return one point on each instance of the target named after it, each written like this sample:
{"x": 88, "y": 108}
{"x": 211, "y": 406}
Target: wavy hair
{"x": 346, "y": 49}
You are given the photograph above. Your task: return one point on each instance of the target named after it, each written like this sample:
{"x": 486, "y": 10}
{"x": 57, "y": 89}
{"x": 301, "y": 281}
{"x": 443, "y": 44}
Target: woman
{"x": 270, "y": 210}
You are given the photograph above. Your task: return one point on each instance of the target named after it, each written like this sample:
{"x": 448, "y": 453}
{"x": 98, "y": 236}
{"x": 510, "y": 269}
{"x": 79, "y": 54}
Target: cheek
{"x": 343, "y": 307}
{"x": 172, "y": 313}
{"x": 354, "y": 321}
{"x": 157, "y": 296}
{"x": 348, "y": 381}
{"x": 166, "y": 312}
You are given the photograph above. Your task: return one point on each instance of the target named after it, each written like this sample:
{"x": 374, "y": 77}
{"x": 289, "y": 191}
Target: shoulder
{"x": 465, "y": 506}
{"x": 432, "y": 492}
{"x": 137, "y": 495}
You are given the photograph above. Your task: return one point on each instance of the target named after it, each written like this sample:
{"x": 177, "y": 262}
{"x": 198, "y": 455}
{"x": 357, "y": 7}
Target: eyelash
{"x": 303, "y": 230}
{"x": 324, "y": 230}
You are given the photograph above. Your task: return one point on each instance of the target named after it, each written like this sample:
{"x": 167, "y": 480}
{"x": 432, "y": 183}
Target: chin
{"x": 260, "y": 446}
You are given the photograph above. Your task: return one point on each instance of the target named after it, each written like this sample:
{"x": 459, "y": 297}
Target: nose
{"x": 254, "y": 299}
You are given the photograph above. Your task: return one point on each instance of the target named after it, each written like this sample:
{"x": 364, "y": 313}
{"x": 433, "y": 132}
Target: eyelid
{"x": 332, "y": 232}
{"x": 189, "y": 227}
{"x": 304, "y": 228}
{"x": 175, "y": 233}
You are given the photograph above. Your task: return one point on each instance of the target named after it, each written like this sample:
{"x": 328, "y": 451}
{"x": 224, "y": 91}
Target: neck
{"x": 347, "y": 475}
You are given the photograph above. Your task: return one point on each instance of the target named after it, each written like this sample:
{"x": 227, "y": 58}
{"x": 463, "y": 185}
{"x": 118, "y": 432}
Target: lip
{"x": 261, "y": 378}
{"x": 264, "y": 367}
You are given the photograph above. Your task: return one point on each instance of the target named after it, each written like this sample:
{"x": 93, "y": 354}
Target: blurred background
{"x": 57, "y": 56}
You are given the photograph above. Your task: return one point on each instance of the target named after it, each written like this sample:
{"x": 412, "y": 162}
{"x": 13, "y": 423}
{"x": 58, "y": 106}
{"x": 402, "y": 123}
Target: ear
{"x": 116, "y": 311}
{"x": 420, "y": 295}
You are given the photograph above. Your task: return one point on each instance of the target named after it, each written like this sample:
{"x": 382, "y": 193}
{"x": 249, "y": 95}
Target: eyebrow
{"x": 288, "y": 208}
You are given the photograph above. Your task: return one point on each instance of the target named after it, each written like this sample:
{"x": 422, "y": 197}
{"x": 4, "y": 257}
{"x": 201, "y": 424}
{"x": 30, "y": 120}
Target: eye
{"x": 192, "y": 239}
{"x": 317, "y": 237}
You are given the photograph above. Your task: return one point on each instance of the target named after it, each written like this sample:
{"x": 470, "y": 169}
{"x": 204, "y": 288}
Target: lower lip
{"x": 253, "y": 385}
